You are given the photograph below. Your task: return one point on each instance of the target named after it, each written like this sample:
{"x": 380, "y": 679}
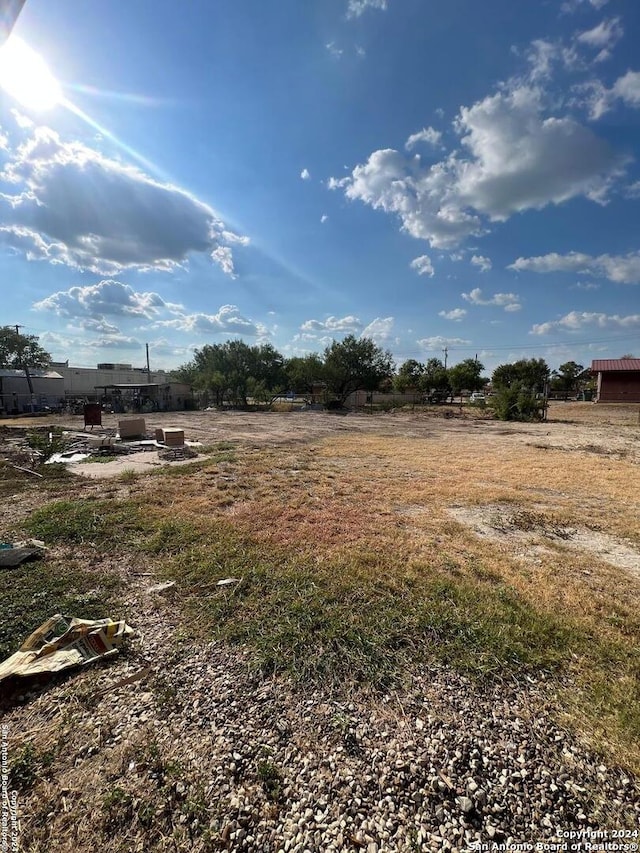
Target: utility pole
{"x": 25, "y": 367}
{"x": 148, "y": 368}
{"x": 446, "y": 353}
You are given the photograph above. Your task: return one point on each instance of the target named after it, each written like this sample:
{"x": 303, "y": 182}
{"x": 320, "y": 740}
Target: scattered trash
{"x": 101, "y": 441}
{"x": 68, "y": 457}
{"x": 446, "y": 780}
{"x": 60, "y": 643}
{"x": 227, "y": 581}
{"x": 124, "y": 682}
{"x": 161, "y": 587}
{"x": 15, "y": 553}
{"x": 172, "y": 454}
{"x": 26, "y": 470}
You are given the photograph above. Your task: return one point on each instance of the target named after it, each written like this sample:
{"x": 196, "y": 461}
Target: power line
{"x": 475, "y": 347}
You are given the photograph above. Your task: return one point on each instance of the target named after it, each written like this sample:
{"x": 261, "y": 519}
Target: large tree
{"x": 466, "y": 376}
{"x": 19, "y": 351}
{"x": 566, "y": 378}
{"x": 409, "y": 377}
{"x": 355, "y": 364}
{"x": 234, "y": 371}
{"x": 530, "y": 373}
{"x": 435, "y": 378}
{"x": 304, "y": 373}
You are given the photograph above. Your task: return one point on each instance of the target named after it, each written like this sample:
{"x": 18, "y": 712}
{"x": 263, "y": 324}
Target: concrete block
{"x": 132, "y": 428}
{"x": 173, "y": 437}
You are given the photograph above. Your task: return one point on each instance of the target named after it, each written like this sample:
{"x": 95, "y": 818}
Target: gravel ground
{"x": 438, "y": 765}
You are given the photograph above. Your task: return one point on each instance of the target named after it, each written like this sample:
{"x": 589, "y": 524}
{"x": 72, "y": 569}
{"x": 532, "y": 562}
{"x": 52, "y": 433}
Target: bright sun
{"x": 25, "y": 76}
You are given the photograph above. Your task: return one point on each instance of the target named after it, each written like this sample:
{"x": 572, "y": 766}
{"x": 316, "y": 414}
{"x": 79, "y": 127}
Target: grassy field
{"x": 351, "y": 567}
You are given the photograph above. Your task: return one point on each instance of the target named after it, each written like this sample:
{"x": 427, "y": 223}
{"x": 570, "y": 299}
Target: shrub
{"x": 517, "y": 403}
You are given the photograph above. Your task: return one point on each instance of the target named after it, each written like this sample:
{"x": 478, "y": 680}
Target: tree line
{"x": 233, "y": 373}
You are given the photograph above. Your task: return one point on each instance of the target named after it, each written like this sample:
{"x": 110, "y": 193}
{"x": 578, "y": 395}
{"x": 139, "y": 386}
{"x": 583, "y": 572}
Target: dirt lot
{"x": 403, "y": 578}
{"x": 572, "y": 426}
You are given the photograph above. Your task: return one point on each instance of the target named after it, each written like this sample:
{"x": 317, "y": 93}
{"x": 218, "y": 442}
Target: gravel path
{"x": 439, "y": 765}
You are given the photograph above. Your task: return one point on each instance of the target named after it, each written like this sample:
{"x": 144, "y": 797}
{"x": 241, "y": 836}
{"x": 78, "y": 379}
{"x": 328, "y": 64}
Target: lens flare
{"x": 24, "y": 75}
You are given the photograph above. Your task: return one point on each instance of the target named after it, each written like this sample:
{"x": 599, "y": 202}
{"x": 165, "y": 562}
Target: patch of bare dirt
{"x": 537, "y": 534}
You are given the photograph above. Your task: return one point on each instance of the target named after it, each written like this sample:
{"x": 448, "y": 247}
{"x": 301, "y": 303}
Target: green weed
{"x": 29, "y": 766}
{"x": 83, "y": 521}
{"x": 117, "y": 808}
{"x": 38, "y": 590}
{"x": 272, "y": 780}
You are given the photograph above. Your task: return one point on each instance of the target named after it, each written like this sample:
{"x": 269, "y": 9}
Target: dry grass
{"x": 342, "y": 501}
{"x": 352, "y": 564}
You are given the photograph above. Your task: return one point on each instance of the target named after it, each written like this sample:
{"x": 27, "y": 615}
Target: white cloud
{"x": 455, "y": 314}
{"x": 627, "y": 88}
{"x": 423, "y": 265}
{"x": 483, "y": 263}
{"x": 323, "y": 218}
{"x": 509, "y": 301}
{"x": 23, "y": 122}
{"x": 162, "y": 346}
{"x": 64, "y": 345}
{"x": 77, "y": 207}
{"x": 379, "y": 330}
{"x": 633, "y": 190}
{"x": 334, "y": 50}
{"x": 524, "y": 160}
{"x": 576, "y": 320}
{"x": 572, "y": 5}
{"x": 356, "y": 8}
{"x": 438, "y": 342}
{"x": 599, "y": 100}
{"x": 585, "y": 285}
{"x": 223, "y": 256}
{"x": 428, "y": 135}
{"x": 513, "y": 158}
{"x": 622, "y": 269}
{"x": 332, "y": 324}
{"x": 99, "y": 325}
{"x": 542, "y": 55}
{"x": 228, "y": 319}
{"x": 106, "y": 298}
{"x": 602, "y": 37}
{"x": 305, "y": 174}
{"x": 307, "y": 337}
{"x": 112, "y": 342}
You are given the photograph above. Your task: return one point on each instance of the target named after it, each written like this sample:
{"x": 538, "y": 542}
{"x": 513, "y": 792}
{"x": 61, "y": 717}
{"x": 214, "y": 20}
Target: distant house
{"x": 618, "y": 380}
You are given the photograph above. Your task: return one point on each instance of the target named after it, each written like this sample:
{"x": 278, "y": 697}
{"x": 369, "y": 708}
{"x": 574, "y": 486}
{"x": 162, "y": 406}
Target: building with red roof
{"x": 618, "y": 380}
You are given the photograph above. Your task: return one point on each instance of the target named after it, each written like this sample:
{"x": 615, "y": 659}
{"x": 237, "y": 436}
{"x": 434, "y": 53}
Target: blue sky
{"x": 428, "y": 173}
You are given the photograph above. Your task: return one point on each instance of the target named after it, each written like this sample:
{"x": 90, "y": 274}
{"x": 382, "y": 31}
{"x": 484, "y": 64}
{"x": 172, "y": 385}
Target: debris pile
{"x": 27, "y": 450}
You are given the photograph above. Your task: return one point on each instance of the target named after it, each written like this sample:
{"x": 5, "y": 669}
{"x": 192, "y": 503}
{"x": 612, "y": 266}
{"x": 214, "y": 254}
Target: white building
{"x": 123, "y": 386}
{"x": 16, "y": 397}
{"x": 80, "y": 382}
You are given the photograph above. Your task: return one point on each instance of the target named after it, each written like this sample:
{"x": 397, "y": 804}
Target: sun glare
{"x": 24, "y": 75}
